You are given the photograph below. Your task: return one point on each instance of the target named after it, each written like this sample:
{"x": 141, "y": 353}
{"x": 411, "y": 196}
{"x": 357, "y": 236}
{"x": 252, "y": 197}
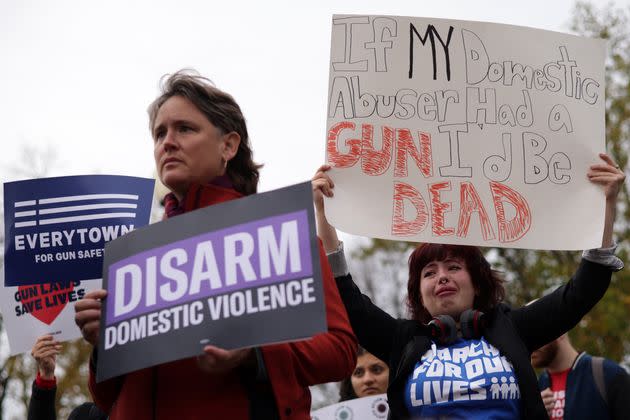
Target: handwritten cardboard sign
{"x": 236, "y": 274}
{"x": 465, "y": 132}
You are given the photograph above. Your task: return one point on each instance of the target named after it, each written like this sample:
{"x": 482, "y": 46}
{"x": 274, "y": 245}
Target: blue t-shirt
{"x": 469, "y": 379}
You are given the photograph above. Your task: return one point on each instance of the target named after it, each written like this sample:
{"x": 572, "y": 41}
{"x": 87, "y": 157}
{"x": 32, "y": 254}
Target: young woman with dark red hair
{"x": 464, "y": 353}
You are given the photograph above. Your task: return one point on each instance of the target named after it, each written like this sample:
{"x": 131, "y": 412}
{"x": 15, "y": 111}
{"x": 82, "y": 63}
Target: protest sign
{"x": 374, "y": 407}
{"x": 55, "y": 231}
{"x": 236, "y": 274}
{"x": 55, "y": 228}
{"x": 465, "y": 132}
{"x": 34, "y": 310}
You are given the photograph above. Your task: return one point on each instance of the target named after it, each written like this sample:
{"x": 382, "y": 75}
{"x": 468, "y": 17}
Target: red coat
{"x": 182, "y": 391}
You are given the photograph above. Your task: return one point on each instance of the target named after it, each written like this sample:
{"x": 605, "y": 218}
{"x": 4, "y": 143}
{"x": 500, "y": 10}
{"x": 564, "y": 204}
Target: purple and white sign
{"x": 252, "y": 254}
{"x": 236, "y": 274}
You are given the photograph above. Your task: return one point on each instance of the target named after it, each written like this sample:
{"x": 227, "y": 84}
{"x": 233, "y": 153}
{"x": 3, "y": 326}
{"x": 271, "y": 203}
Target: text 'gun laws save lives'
{"x": 234, "y": 275}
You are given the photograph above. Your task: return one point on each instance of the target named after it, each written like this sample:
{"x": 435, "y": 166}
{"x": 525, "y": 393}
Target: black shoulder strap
{"x": 597, "y": 364}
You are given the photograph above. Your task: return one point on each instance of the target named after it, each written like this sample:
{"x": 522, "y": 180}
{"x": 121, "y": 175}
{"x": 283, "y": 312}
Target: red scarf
{"x": 199, "y": 196}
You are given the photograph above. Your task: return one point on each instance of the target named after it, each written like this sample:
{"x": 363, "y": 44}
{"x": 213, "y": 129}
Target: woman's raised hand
{"x": 322, "y": 186}
{"x": 88, "y": 315}
{"x": 45, "y": 352}
{"x": 611, "y": 177}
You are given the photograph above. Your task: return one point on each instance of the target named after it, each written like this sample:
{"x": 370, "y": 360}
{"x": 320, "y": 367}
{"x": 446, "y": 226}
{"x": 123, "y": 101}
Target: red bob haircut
{"x": 487, "y": 282}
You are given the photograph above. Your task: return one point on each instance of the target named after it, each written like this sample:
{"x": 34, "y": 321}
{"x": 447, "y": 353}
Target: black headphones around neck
{"x": 443, "y": 328}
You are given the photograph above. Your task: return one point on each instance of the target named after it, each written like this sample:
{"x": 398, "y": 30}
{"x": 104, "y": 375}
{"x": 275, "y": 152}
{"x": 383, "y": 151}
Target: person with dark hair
{"x": 370, "y": 377}
{"x": 203, "y": 155}
{"x": 465, "y": 353}
{"x": 41, "y": 406}
{"x": 575, "y": 385}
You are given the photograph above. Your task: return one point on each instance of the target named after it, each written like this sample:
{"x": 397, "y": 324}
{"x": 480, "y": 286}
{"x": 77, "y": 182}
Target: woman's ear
{"x": 231, "y": 141}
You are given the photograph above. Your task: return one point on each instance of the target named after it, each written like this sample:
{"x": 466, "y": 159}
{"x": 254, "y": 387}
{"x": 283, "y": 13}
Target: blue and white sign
{"x": 56, "y": 228}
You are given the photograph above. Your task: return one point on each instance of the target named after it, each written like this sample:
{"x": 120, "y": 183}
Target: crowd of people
{"x": 463, "y": 353}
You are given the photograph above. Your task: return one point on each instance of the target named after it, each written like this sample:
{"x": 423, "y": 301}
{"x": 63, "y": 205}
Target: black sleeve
{"x": 619, "y": 396}
{"x": 374, "y": 328}
{"x": 551, "y": 316}
{"x": 42, "y": 404}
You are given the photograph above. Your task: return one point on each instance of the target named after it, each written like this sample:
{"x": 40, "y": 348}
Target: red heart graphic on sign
{"x": 44, "y": 301}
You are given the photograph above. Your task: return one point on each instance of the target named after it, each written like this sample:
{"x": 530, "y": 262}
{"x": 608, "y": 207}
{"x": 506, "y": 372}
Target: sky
{"x": 77, "y": 76}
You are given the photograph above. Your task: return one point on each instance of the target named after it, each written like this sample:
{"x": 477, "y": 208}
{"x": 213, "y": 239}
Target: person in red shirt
{"x": 203, "y": 155}
{"x": 576, "y": 385}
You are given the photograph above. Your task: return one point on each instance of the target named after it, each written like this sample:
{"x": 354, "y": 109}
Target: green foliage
{"x": 605, "y": 330}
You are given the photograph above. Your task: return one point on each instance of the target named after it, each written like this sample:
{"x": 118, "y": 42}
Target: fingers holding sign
{"x": 45, "y": 352}
{"x": 609, "y": 175}
{"x": 548, "y": 400}
{"x": 322, "y": 186}
{"x": 215, "y": 360}
{"x": 88, "y": 315}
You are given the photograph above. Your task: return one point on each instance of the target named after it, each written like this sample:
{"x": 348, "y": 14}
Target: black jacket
{"x": 41, "y": 406}
{"x": 515, "y": 333}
